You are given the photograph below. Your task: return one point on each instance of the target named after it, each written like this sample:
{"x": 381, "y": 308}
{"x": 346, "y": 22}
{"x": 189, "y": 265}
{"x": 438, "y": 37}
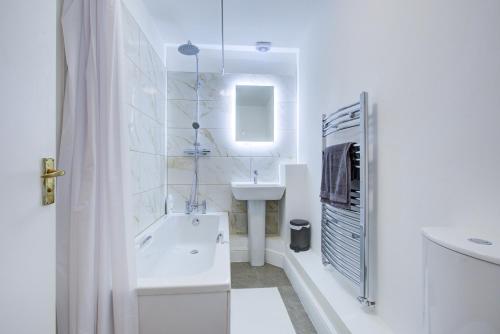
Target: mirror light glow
{"x": 277, "y": 97}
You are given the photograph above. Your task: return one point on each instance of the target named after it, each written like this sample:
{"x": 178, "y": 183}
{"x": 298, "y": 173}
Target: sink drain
{"x": 480, "y": 241}
{"x": 194, "y": 251}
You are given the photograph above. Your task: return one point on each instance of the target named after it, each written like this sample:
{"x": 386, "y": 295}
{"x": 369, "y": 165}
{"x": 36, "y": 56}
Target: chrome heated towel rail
{"x": 346, "y": 234}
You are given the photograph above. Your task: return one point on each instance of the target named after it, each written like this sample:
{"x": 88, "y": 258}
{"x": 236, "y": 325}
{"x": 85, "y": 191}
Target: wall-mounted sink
{"x": 257, "y": 194}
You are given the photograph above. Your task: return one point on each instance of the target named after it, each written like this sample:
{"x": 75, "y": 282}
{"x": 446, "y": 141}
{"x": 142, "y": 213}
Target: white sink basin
{"x": 262, "y": 191}
{"x": 257, "y": 194}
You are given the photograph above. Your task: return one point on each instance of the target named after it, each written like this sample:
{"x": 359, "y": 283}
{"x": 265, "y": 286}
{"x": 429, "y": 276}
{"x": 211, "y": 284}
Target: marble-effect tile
{"x": 213, "y": 114}
{"x": 218, "y": 197}
{"x": 148, "y": 207}
{"x": 228, "y": 160}
{"x": 145, "y": 85}
{"x": 212, "y": 170}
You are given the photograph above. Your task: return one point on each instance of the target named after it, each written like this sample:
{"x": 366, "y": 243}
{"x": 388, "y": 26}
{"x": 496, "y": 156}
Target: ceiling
{"x": 283, "y": 22}
{"x": 237, "y": 60}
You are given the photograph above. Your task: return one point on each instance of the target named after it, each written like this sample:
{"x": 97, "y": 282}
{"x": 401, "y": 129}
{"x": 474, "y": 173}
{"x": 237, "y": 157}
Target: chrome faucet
{"x": 190, "y": 207}
{"x": 145, "y": 241}
{"x": 255, "y": 175}
{"x": 220, "y": 238}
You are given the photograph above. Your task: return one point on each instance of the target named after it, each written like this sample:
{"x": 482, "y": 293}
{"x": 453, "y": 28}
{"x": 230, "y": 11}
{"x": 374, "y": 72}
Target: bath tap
{"x": 220, "y": 238}
{"x": 255, "y": 175}
{"x": 145, "y": 241}
{"x": 190, "y": 207}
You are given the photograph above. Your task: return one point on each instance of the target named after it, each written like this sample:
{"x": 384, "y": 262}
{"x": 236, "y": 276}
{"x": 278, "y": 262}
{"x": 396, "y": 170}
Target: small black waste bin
{"x": 300, "y": 235}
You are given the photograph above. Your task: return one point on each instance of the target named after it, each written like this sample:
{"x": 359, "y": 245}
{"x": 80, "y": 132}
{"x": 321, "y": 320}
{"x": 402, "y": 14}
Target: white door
{"x": 27, "y": 134}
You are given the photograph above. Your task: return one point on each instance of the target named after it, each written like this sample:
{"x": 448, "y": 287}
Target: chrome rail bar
{"x": 346, "y": 233}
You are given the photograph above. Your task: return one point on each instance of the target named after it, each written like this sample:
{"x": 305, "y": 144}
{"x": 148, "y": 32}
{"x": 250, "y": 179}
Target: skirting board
{"x": 330, "y": 305}
{"x": 313, "y": 309}
{"x": 272, "y": 257}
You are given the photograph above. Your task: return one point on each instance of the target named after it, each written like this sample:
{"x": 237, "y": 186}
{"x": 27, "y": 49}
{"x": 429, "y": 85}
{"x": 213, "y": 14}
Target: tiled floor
{"x": 244, "y": 276}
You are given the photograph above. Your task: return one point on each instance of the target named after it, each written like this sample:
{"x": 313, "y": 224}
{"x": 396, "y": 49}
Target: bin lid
{"x": 299, "y": 222}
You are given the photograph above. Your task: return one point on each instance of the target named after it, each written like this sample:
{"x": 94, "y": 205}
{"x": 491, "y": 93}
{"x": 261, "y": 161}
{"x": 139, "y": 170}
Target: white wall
{"x": 432, "y": 71}
{"x": 29, "y": 94}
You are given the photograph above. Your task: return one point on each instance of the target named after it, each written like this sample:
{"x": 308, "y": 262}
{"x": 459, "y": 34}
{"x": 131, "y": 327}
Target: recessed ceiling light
{"x": 263, "y": 46}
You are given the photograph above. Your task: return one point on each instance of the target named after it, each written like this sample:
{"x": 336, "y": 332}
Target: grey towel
{"x": 336, "y": 176}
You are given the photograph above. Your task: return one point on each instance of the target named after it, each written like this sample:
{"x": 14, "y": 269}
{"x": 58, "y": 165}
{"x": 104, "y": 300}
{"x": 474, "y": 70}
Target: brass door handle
{"x": 50, "y": 173}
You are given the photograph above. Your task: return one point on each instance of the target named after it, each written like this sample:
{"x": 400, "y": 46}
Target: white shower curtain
{"x": 95, "y": 254}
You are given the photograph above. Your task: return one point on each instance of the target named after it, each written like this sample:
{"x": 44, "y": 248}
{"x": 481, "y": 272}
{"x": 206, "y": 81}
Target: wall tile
{"x": 238, "y": 223}
{"x": 212, "y": 170}
{"x": 147, "y": 55}
{"x": 216, "y": 140}
{"x": 132, "y": 80}
{"x": 181, "y": 85}
{"x": 145, "y": 83}
{"x": 148, "y": 171}
{"x": 143, "y": 94}
{"x": 131, "y": 34}
{"x": 213, "y": 114}
{"x": 268, "y": 168}
{"x": 218, "y": 197}
{"x": 221, "y": 144}
{"x": 272, "y": 223}
{"x": 160, "y": 111}
{"x": 228, "y": 160}
{"x": 238, "y": 205}
{"x": 146, "y": 135}
{"x": 148, "y": 207}
{"x": 272, "y": 206}
{"x": 147, "y": 98}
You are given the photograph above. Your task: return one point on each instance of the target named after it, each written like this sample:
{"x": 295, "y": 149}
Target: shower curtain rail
{"x": 346, "y": 234}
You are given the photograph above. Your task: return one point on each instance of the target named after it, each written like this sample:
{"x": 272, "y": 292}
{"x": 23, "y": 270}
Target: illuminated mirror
{"x": 255, "y": 113}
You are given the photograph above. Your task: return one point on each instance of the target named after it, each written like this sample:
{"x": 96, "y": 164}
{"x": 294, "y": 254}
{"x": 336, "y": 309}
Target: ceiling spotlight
{"x": 263, "y": 46}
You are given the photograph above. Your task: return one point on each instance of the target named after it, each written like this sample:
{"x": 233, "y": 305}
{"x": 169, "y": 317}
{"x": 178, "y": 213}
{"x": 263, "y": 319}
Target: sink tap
{"x": 255, "y": 174}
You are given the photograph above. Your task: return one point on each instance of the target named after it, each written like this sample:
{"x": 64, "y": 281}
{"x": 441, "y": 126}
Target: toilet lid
{"x": 478, "y": 243}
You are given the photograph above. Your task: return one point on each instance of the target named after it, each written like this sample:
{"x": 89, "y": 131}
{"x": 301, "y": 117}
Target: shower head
{"x": 188, "y": 49}
{"x": 196, "y": 125}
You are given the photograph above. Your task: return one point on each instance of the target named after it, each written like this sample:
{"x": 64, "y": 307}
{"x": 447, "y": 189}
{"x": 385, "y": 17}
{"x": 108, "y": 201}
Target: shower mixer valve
{"x": 190, "y": 207}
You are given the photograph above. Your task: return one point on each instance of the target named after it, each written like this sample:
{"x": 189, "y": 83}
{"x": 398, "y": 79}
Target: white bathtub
{"x": 184, "y": 277}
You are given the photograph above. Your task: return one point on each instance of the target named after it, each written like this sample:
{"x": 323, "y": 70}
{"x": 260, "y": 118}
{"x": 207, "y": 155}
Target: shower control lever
{"x": 255, "y": 175}
{"x": 190, "y": 207}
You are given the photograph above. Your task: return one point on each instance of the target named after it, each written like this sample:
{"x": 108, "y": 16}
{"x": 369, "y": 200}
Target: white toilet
{"x": 462, "y": 281}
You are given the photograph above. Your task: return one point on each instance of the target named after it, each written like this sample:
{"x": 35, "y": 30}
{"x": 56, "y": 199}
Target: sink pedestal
{"x": 257, "y": 194}
{"x": 256, "y": 232}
